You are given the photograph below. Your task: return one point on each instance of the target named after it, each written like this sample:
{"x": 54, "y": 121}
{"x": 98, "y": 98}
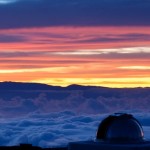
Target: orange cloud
{"x": 111, "y": 56}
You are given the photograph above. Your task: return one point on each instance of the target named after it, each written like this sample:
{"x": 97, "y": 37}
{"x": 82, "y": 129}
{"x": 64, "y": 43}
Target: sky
{"x": 87, "y": 42}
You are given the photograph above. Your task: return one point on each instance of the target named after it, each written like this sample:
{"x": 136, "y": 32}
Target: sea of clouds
{"x": 52, "y": 118}
{"x": 56, "y": 129}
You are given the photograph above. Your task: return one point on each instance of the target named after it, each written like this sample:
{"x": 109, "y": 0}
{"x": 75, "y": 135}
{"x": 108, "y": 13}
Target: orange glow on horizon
{"x": 101, "y": 56}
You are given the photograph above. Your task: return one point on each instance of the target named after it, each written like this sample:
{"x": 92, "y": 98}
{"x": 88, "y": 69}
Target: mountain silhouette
{"x": 26, "y": 86}
{"x": 31, "y": 90}
{"x": 17, "y": 97}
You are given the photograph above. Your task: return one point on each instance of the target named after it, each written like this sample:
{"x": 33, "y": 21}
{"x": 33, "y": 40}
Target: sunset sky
{"x": 87, "y": 42}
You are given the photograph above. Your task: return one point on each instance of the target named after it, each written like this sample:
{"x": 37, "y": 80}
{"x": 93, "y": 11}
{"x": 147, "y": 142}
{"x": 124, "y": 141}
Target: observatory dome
{"x": 120, "y": 128}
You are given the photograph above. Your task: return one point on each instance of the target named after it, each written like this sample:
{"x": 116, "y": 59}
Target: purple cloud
{"x": 25, "y": 13}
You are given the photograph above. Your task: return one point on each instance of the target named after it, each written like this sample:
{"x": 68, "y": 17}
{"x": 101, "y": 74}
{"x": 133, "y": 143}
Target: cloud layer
{"x": 54, "y": 40}
{"x": 50, "y": 118}
{"x": 91, "y": 101}
{"x": 37, "y": 13}
{"x": 54, "y": 54}
{"x": 55, "y": 129}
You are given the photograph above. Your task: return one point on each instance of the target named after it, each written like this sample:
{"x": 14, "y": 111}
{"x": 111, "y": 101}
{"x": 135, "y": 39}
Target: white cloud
{"x": 128, "y": 50}
{"x": 47, "y": 130}
{"x": 55, "y": 129}
{"x": 7, "y": 1}
{"x": 42, "y": 120}
{"x": 50, "y": 69}
{"x": 135, "y": 67}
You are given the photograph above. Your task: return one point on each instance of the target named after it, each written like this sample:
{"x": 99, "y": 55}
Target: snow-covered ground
{"x": 56, "y": 129}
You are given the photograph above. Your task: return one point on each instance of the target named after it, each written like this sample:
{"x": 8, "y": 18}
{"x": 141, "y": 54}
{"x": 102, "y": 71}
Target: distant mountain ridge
{"x": 24, "y": 98}
{"x": 8, "y": 85}
{"x": 39, "y": 86}
{"x": 26, "y": 86}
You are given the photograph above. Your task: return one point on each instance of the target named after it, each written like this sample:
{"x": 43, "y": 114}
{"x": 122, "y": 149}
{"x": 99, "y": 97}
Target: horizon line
{"x": 85, "y": 85}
